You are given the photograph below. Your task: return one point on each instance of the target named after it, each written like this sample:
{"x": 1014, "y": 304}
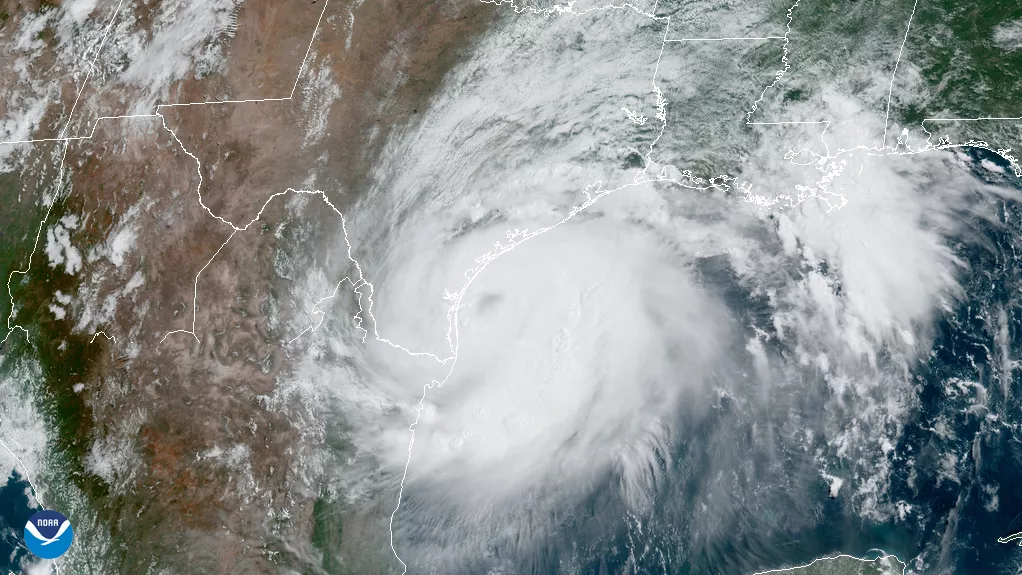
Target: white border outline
{"x": 513, "y": 238}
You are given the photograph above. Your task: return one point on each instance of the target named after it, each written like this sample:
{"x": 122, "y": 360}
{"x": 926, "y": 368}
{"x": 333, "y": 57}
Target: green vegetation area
{"x": 354, "y": 550}
{"x": 970, "y": 58}
{"x": 830, "y": 30}
{"x": 967, "y": 57}
{"x": 64, "y": 357}
{"x": 326, "y": 533}
{"x": 845, "y": 565}
{"x": 969, "y": 54}
{"x": 17, "y": 234}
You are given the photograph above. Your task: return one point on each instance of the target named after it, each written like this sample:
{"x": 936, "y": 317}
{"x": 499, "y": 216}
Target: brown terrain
{"x": 186, "y": 406}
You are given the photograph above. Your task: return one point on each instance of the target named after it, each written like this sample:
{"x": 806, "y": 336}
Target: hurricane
{"x": 512, "y": 286}
{"x": 559, "y": 331}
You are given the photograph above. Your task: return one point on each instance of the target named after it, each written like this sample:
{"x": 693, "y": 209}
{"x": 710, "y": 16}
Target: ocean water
{"x": 962, "y": 447}
{"x": 15, "y": 511}
{"x": 741, "y": 371}
{"x": 956, "y": 467}
{"x": 740, "y": 485}
{"x": 680, "y": 380}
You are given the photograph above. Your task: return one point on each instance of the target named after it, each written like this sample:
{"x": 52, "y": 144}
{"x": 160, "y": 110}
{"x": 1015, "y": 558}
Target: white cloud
{"x": 60, "y": 251}
{"x": 121, "y": 242}
{"x": 183, "y": 32}
{"x": 58, "y": 311}
{"x": 1009, "y": 35}
{"x": 576, "y": 348}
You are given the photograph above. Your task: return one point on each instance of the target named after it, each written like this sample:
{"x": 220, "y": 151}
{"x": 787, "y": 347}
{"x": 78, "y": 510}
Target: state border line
{"x": 10, "y": 329}
{"x": 106, "y": 35}
{"x": 92, "y": 66}
{"x": 68, "y": 139}
{"x": 894, "y": 74}
{"x": 726, "y": 38}
{"x": 833, "y": 557}
{"x": 517, "y": 237}
{"x": 981, "y": 119}
{"x": 883, "y": 148}
{"x": 514, "y": 238}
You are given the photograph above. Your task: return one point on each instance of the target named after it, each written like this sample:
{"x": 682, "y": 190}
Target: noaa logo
{"x": 48, "y": 534}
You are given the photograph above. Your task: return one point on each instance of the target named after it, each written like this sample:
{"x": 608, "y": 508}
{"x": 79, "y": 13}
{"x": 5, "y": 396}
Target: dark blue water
{"x": 15, "y": 511}
{"x": 962, "y": 520}
{"x": 731, "y": 503}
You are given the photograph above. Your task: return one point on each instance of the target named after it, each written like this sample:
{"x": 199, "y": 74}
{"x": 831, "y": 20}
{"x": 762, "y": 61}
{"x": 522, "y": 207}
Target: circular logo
{"x": 48, "y": 534}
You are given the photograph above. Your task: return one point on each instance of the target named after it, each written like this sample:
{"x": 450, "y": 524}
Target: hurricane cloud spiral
{"x": 572, "y": 366}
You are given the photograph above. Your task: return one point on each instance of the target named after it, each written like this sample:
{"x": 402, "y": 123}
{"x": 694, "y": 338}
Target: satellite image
{"x": 511, "y": 287}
